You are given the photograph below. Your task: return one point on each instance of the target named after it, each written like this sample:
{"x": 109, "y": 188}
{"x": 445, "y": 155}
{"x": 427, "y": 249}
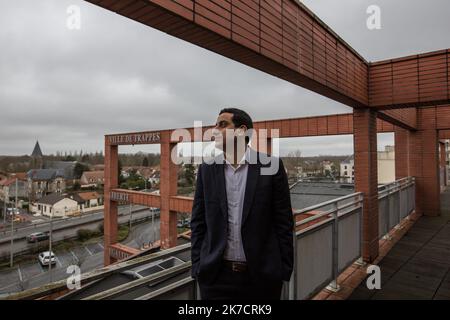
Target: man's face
{"x": 224, "y": 122}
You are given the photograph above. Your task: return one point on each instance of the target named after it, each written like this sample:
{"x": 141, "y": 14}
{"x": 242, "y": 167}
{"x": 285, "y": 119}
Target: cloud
{"x": 70, "y": 88}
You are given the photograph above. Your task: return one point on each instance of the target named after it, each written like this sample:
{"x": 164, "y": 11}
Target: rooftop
{"x": 349, "y": 159}
{"x": 8, "y": 182}
{"x": 89, "y": 195}
{"x": 19, "y": 175}
{"x": 94, "y": 174}
{"x": 51, "y": 199}
{"x": 45, "y": 174}
{"x": 306, "y": 194}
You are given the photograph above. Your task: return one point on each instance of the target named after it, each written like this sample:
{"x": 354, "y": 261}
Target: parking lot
{"x": 23, "y": 274}
{"x": 89, "y": 257}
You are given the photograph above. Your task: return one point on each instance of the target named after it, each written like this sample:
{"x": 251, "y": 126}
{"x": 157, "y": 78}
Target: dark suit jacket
{"x": 267, "y": 223}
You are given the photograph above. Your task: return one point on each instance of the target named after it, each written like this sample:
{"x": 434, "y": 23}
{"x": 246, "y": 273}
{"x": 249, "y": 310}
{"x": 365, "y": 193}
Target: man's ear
{"x": 242, "y": 130}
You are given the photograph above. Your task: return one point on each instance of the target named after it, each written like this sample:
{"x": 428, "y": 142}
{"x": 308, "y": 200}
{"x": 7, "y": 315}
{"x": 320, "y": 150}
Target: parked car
{"x": 47, "y": 257}
{"x": 155, "y": 210}
{"x": 184, "y": 223}
{"x": 187, "y": 223}
{"x": 37, "y": 236}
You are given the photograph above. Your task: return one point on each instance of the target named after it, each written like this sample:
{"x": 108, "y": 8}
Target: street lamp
{"x": 131, "y": 217}
{"x": 50, "y": 238}
{"x": 11, "y": 261}
{"x": 4, "y": 211}
{"x": 153, "y": 228}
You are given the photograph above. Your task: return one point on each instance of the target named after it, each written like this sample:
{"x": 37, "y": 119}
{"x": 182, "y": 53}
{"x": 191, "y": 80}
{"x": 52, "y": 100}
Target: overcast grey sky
{"x": 68, "y": 88}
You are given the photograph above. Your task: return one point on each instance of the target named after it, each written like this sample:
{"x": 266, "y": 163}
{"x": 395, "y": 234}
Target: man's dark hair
{"x": 240, "y": 117}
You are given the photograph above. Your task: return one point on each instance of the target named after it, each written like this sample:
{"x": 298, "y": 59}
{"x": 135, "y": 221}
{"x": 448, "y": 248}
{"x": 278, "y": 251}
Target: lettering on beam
{"x": 135, "y": 138}
{"x": 119, "y": 196}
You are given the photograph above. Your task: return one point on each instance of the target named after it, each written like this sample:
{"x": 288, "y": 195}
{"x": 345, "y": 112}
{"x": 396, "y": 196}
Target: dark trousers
{"x": 238, "y": 286}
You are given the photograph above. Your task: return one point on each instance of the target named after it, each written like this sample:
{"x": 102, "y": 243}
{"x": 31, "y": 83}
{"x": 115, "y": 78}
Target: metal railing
{"x": 324, "y": 245}
{"x": 396, "y": 201}
{"x": 327, "y": 247}
{"x": 327, "y": 240}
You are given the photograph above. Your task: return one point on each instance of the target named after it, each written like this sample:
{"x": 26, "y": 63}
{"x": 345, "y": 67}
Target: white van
{"x": 47, "y": 257}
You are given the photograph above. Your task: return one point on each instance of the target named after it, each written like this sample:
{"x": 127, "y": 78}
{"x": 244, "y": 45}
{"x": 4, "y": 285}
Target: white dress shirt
{"x": 235, "y": 182}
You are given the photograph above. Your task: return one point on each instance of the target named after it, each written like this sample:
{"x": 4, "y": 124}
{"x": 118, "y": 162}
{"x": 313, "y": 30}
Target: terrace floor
{"x": 418, "y": 265}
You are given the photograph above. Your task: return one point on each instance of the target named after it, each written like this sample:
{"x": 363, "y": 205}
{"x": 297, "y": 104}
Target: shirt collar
{"x": 244, "y": 160}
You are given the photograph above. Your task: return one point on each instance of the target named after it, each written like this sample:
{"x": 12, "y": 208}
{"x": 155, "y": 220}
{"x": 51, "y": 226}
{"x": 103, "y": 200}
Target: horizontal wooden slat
{"x": 291, "y": 127}
{"x": 285, "y": 39}
{"x": 413, "y": 81}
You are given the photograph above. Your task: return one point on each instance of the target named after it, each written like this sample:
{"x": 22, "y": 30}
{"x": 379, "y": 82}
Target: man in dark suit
{"x": 242, "y": 223}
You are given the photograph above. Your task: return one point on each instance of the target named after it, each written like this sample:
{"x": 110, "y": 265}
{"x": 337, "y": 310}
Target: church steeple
{"x": 37, "y": 157}
{"x": 37, "y": 153}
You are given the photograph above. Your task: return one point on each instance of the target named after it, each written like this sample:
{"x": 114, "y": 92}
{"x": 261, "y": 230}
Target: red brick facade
{"x": 366, "y": 175}
{"x": 285, "y": 39}
{"x": 168, "y": 188}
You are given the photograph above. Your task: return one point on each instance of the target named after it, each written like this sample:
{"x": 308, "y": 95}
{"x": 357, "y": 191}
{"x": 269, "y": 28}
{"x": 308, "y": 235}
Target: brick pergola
{"x": 409, "y": 96}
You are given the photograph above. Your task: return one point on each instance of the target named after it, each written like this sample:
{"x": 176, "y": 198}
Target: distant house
{"x": 348, "y": 170}
{"x": 145, "y": 172}
{"x": 154, "y": 178}
{"x": 88, "y": 201}
{"x": 42, "y": 182}
{"x": 327, "y": 166}
{"x": 299, "y": 171}
{"x": 150, "y": 174}
{"x": 125, "y": 174}
{"x": 8, "y": 189}
{"x": 92, "y": 179}
{"x": 385, "y": 167}
{"x": 55, "y": 205}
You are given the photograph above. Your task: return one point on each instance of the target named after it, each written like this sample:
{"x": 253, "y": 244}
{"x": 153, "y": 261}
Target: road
{"x": 65, "y": 229}
{"x": 143, "y": 233}
{"x": 88, "y": 257}
{"x": 22, "y": 230}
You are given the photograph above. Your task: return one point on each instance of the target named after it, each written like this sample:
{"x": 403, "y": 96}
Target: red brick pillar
{"x": 402, "y": 157}
{"x": 366, "y": 179}
{"x": 167, "y": 188}
{"x": 110, "y": 209}
{"x": 427, "y": 156}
